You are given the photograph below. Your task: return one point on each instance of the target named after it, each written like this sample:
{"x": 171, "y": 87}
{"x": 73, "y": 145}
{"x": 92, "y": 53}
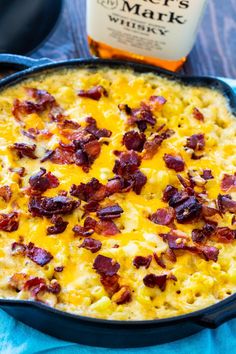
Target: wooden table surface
{"x": 214, "y": 52}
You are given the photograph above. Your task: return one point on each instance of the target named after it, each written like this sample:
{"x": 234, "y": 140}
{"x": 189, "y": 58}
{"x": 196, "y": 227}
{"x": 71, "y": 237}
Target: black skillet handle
{"x": 213, "y": 320}
{"x": 21, "y": 62}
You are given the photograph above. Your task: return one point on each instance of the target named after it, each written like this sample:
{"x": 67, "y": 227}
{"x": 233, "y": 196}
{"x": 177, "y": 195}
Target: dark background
{"x": 213, "y": 54}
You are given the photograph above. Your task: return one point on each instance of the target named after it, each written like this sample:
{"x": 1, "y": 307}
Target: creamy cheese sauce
{"x": 199, "y": 283}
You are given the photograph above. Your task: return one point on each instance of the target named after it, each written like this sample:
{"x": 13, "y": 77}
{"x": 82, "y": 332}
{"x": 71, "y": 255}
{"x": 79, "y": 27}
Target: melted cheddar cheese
{"x": 199, "y": 283}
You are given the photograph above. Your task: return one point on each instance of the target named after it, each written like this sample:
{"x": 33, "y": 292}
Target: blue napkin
{"x": 17, "y": 338}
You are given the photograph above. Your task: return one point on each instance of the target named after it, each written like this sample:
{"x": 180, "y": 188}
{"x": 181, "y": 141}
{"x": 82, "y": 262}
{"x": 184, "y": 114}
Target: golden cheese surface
{"x": 199, "y": 282}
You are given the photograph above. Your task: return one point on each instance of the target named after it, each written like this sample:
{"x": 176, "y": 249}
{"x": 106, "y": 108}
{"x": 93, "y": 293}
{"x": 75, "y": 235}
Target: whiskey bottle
{"x": 158, "y": 32}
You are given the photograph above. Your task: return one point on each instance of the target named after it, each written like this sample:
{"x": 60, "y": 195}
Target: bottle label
{"x": 155, "y": 28}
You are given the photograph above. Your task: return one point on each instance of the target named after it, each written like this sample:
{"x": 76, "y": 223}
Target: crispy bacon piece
{"x": 159, "y": 260}
{"x": 18, "y": 280}
{"x": 83, "y": 151}
{"x": 228, "y": 182}
{"x": 110, "y": 283}
{"x": 178, "y": 198}
{"x": 127, "y": 164}
{"x": 115, "y": 185}
{"x": 140, "y": 261}
{"x": 151, "y": 146}
{"x": 201, "y": 235}
{"x": 134, "y": 140}
{"x": 5, "y": 193}
{"x": 95, "y": 93}
{"x": 226, "y": 204}
{"x": 92, "y": 128}
{"x": 102, "y": 227}
{"x": 43, "y": 101}
{"x": 137, "y": 181}
{"x": 83, "y": 231}
{"x": 198, "y": 115}
{"x": 106, "y": 228}
{"x": 196, "y": 142}
{"x": 208, "y": 211}
{"x": 163, "y": 216}
{"x": 125, "y": 108}
{"x": 189, "y": 210}
{"x": 43, "y": 206}
{"x": 35, "y": 286}
{"x": 38, "y": 255}
{"x": 9, "y": 222}
{"x": 91, "y": 244}
{"x": 169, "y": 192}
{"x": 69, "y": 124}
{"x": 142, "y": 116}
{"x": 106, "y": 266}
{"x": 207, "y": 174}
{"x": 110, "y": 212}
{"x": 152, "y": 280}
{"x": 42, "y": 180}
{"x": 90, "y": 207}
{"x": 17, "y": 248}
{"x": 224, "y": 234}
{"x": 179, "y": 242}
{"x": 174, "y": 162}
{"x": 24, "y": 150}
{"x": 93, "y": 190}
{"x": 127, "y": 168}
{"x": 48, "y": 155}
{"x": 123, "y": 296}
{"x": 32, "y": 133}
{"x": 59, "y": 225}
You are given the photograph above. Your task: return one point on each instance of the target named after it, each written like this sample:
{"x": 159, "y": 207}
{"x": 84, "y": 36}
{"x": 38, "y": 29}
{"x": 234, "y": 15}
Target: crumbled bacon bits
{"x": 43, "y": 206}
{"x": 174, "y": 162}
{"x": 196, "y": 142}
{"x": 9, "y": 222}
{"x": 110, "y": 212}
{"x": 141, "y": 261}
{"x": 84, "y": 147}
{"x": 207, "y": 174}
{"x": 105, "y": 265}
{"x": 198, "y": 115}
{"x": 43, "y": 101}
{"x": 5, "y": 193}
{"x": 93, "y": 190}
{"x": 123, "y": 296}
{"x": 180, "y": 241}
{"x": 42, "y": 180}
{"x": 134, "y": 140}
{"x": 38, "y": 255}
{"x": 226, "y": 204}
{"x": 127, "y": 168}
{"x": 228, "y": 182}
{"x": 163, "y": 216}
{"x": 92, "y": 128}
{"x": 153, "y": 280}
{"x": 91, "y": 244}
{"x": 59, "y": 225}
{"x": 110, "y": 283}
{"x": 152, "y": 145}
{"x": 24, "y": 150}
{"x": 189, "y": 210}
{"x": 224, "y": 234}
{"x": 95, "y": 93}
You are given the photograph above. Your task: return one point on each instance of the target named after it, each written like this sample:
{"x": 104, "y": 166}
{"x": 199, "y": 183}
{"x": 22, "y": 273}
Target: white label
{"x": 165, "y": 29}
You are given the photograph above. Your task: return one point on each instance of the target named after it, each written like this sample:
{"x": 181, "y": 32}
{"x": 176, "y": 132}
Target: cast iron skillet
{"x": 110, "y": 333}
